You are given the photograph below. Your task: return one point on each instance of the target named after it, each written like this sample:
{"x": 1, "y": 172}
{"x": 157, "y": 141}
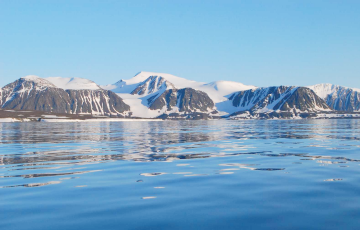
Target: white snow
{"x": 139, "y": 106}
{"x": 73, "y": 83}
{"x": 54, "y": 116}
{"x": 13, "y": 120}
{"x": 218, "y": 90}
{"x": 7, "y": 120}
{"x": 31, "y": 77}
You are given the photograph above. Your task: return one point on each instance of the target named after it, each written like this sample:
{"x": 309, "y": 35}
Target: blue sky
{"x": 255, "y": 42}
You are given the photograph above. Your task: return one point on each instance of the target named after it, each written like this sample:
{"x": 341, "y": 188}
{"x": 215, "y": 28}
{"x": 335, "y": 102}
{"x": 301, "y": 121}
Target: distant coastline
{"x": 39, "y": 116}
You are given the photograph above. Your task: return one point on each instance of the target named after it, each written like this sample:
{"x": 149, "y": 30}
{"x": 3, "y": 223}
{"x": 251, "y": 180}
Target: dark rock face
{"x": 96, "y": 101}
{"x": 43, "y": 96}
{"x": 344, "y": 100}
{"x": 188, "y": 100}
{"x": 49, "y": 100}
{"x": 281, "y": 98}
{"x": 151, "y": 85}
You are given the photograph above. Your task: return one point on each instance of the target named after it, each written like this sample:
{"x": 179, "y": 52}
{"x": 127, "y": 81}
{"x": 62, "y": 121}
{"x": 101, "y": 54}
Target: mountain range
{"x": 159, "y": 95}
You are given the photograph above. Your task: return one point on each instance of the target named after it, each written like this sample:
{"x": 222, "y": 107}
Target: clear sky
{"x": 255, "y": 42}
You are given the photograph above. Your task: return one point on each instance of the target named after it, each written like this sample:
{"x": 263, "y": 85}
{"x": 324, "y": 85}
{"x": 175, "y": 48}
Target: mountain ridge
{"x": 154, "y": 95}
{"x": 34, "y": 93}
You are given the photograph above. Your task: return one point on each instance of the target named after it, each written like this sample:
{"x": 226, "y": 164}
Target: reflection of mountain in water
{"x": 149, "y": 141}
{"x": 39, "y": 150}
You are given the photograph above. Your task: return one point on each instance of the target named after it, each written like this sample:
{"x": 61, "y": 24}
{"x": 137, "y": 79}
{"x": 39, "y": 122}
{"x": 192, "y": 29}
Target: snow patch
{"x": 73, "y": 83}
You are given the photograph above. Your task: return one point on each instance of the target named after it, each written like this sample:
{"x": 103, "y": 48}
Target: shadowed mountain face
{"x": 39, "y": 94}
{"x": 281, "y": 98}
{"x": 187, "y": 100}
{"x": 344, "y": 100}
{"x": 338, "y": 97}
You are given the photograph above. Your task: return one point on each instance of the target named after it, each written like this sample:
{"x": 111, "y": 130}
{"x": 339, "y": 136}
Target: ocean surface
{"x": 268, "y": 174}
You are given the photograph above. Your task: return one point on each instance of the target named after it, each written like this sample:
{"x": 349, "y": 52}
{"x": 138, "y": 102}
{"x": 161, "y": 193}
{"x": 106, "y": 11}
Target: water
{"x": 180, "y": 175}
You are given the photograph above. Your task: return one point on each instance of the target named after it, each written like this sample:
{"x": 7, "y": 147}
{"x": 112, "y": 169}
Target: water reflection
{"x": 32, "y": 184}
{"x": 213, "y": 174}
{"x": 49, "y": 174}
{"x": 33, "y": 150}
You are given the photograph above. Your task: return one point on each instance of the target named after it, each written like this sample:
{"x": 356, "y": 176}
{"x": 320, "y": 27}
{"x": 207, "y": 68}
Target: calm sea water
{"x": 180, "y": 175}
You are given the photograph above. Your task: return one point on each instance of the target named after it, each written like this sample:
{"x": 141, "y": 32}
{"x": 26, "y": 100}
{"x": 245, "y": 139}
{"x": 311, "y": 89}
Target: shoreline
{"x": 7, "y": 116}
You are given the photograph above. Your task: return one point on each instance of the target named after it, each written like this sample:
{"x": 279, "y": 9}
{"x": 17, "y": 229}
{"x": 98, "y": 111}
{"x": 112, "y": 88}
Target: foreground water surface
{"x": 280, "y": 174}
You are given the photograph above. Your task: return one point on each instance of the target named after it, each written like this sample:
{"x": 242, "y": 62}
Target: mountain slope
{"x": 277, "y": 98}
{"x": 338, "y": 97}
{"x": 34, "y": 93}
{"x": 182, "y": 100}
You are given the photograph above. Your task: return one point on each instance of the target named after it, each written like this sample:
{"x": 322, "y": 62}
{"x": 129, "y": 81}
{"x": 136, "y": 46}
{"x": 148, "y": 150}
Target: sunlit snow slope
{"x": 73, "y": 83}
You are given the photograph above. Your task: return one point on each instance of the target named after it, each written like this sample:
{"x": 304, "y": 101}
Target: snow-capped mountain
{"x": 22, "y": 86}
{"x": 160, "y": 95}
{"x": 150, "y": 82}
{"x": 338, "y": 97}
{"x": 151, "y": 85}
{"x": 128, "y": 86}
{"x": 34, "y": 93}
{"x": 144, "y": 85}
{"x": 277, "y": 99}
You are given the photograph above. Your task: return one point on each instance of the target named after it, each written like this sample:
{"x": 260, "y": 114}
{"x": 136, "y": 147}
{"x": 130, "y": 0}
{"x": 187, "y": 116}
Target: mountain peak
{"x": 73, "y": 83}
{"x": 144, "y": 75}
{"x": 152, "y": 84}
{"x": 28, "y": 80}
